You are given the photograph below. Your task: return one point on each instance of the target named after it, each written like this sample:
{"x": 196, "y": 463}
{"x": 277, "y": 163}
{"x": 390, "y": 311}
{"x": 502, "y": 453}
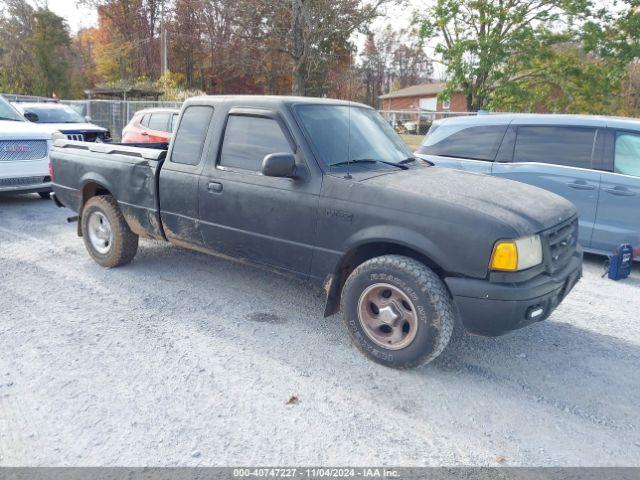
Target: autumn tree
{"x": 128, "y": 37}
{"x": 392, "y": 59}
{"x": 373, "y": 70}
{"x": 307, "y": 31}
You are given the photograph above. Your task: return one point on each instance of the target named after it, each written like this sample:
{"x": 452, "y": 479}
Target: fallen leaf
{"x": 501, "y": 458}
{"x": 292, "y": 400}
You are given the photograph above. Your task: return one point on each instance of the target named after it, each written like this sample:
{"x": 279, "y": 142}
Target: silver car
{"x": 592, "y": 161}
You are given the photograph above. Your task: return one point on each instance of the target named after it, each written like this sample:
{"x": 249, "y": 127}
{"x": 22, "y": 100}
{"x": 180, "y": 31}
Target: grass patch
{"x": 413, "y": 141}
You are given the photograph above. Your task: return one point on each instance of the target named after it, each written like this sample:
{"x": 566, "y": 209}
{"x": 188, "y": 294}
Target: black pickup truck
{"x": 327, "y": 190}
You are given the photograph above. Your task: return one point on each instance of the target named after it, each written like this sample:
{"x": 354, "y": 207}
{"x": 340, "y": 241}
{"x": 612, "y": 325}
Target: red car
{"x": 153, "y": 125}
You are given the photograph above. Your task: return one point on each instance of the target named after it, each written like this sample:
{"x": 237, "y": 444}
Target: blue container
{"x": 621, "y": 262}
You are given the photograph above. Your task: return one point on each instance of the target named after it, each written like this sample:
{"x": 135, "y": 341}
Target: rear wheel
{"x": 398, "y": 311}
{"x": 107, "y": 237}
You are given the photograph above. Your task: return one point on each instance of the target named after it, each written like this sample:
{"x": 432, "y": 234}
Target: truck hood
{"x": 10, "y": 130}
{"x": 526, "y": 208}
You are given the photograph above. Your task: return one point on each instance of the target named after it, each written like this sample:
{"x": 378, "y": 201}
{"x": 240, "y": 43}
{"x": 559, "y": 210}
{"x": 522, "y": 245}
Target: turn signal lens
{"x": 505, "y": 256}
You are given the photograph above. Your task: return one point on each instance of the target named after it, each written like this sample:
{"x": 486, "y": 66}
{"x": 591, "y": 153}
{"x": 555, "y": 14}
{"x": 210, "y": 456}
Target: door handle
{"x": 144, "y": 134}
{"x": 621, "y": 192}
{"x": 214, "y": 187}
{"x": 581, "y": 185}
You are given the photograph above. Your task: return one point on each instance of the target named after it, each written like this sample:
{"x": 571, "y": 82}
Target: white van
{"x": 24, "y": 154}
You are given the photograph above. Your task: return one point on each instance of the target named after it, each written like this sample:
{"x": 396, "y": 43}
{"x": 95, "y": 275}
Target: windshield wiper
{"x": 369, "y": 160}
{"x": 10, "y": 119}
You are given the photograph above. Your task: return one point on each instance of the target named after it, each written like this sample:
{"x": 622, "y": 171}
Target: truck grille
{"x": 13, "y": 150}
{"x": 87, "y": 136}
{"x": 561, "y": 243}
{"x": 15, "y": 182}
{"x": 79, "y": 137}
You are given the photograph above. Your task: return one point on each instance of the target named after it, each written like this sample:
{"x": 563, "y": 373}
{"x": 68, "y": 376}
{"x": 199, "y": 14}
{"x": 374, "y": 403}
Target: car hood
{"x": 10, "y": 130}
{"x": 526, "y": 208}
{"x": 72, "y": 127}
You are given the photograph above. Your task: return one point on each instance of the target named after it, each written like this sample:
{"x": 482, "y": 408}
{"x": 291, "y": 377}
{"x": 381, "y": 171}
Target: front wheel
{"x": 108, "y": 238}
{"x": 397, "y": 311}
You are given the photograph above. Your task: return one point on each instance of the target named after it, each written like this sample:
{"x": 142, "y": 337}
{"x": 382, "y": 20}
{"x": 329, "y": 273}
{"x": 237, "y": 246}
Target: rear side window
{"x": 159, "y": 121}
{"x": 463, "y": 141}
{"x": 174, "y": 122}
{"x": 568, "y": 146}
{"x": 627, "y": 154}
{"x": 191, "y": 135}
{"x": 247, "y": 140}
{"x": 145, "y": 120}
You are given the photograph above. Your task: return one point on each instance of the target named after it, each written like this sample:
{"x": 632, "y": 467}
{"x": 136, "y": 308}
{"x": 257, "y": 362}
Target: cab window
{"x": 247, "y": 140}
{"x": 627, "y": 154}
{"x": 191, "y": 135}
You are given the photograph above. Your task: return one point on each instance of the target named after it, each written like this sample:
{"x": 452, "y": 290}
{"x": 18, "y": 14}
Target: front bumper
{"x": 493, "y": 309}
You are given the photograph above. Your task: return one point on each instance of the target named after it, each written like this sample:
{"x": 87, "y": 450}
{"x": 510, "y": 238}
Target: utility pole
{"x": 164, "y": 61}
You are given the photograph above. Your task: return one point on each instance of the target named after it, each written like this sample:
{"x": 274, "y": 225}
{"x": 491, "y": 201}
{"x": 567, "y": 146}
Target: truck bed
{"x": 130, "y": 173}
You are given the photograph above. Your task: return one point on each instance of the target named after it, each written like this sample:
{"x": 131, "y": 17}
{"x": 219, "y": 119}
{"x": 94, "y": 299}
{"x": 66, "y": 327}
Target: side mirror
{"x": 32, "y": 117}
{"x": 279, "y": 165}
{"x": 87, "y": 119}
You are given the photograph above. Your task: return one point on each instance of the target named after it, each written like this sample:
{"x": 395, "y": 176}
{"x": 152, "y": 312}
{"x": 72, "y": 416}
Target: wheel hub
{"x": 387, "y": 316}
{"x": 100, "y": 232}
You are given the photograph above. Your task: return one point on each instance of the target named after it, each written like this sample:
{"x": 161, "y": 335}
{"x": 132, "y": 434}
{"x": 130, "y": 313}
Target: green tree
{"x": 17, "y": 68}
{"x": 34, "y": 50}
{"x": 484, "y": 44}
{"x": 50, "y": 43}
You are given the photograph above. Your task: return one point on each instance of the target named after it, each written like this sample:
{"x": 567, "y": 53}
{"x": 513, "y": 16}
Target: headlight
{"x": 519, "y": 254}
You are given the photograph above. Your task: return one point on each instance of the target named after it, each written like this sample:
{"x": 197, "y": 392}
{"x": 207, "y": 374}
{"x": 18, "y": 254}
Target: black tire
{"x": 45, "y": 195}
{"x": 124, "y": 244}
{"x": 434, "y": 311}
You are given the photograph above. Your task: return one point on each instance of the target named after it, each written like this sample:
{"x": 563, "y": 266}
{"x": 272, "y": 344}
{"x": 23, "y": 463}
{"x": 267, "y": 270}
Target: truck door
{"x": 180, "y": 175}
{"x": 558, "y": 159}
{"x": 618, "y": 219}
{"x": 249, "y": 216}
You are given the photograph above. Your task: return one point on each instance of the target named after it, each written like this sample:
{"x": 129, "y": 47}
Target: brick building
{"x": 425, "y": 97}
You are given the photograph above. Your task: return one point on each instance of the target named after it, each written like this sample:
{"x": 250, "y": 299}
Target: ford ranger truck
{"x": 325, "y": 189}
{"x": 24, "y": 154}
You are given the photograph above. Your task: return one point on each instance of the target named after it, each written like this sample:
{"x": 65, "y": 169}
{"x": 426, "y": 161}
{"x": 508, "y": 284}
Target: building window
{"x": 446, "y": 104}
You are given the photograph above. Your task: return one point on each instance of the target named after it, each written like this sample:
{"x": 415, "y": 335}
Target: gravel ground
{"x": 184, "y": 359}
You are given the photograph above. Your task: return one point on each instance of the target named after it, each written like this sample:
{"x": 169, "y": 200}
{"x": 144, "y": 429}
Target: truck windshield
{"x": 7, "y": 112}
{"x": 341, "y": 134}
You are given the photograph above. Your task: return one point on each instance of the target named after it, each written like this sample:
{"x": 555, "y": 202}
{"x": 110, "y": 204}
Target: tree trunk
{"x": 470, "y": 106}
{"x": 299, "y": 72}
{"x": 299, "y": 81}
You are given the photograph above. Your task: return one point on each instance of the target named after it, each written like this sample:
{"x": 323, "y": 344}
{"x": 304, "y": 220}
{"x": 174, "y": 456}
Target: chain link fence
{"x": 111, "y": 114}
{"x": 114, "y": 114}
